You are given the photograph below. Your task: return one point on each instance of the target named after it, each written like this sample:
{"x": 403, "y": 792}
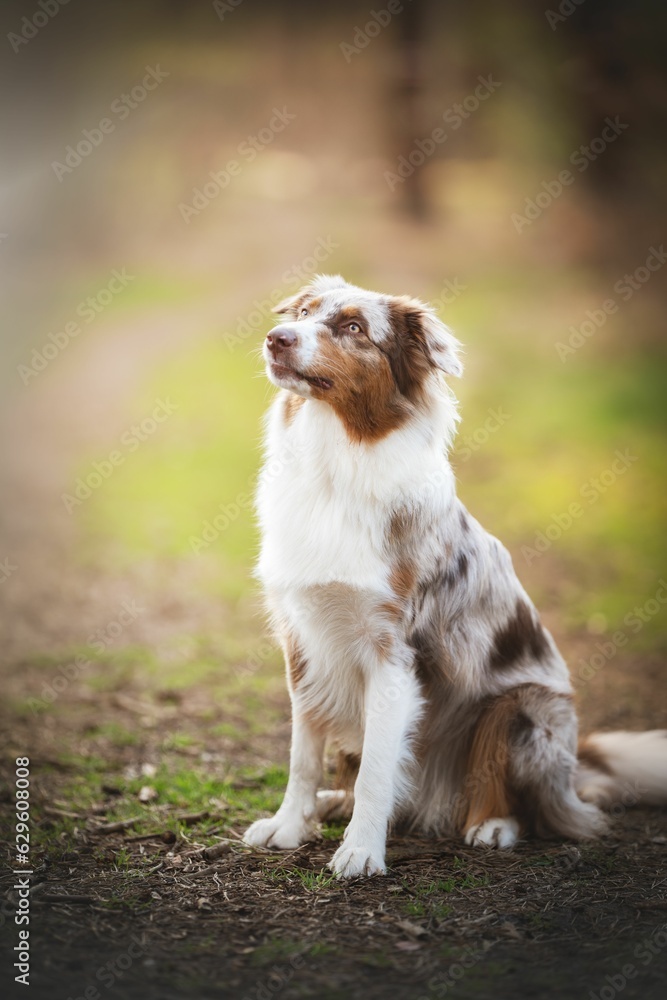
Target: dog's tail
{"x": 623, "y": 768}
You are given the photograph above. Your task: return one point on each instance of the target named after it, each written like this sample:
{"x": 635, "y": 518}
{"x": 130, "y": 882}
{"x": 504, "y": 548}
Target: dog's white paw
{"x": 282, "y": 832}
{"x": 494, "y": 833}
{"x": 349, "y": 861}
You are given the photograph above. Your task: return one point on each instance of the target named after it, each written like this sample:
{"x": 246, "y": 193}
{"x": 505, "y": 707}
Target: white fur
{"x": 494, "y": 833}
{"x": 324, "y": 514}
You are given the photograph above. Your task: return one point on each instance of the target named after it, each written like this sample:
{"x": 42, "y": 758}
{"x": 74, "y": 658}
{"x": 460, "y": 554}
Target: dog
{"x": 409, "y": 642}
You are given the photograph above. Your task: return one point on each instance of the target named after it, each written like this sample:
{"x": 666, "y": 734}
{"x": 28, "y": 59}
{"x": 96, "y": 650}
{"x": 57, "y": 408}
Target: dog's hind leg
{"x": 489, "y": 820}
{"x": 337, "y": 803}
{"x": 522, "y": 768}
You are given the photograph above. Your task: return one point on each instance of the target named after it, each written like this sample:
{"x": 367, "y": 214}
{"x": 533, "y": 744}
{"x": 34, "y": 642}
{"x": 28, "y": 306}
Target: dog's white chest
{"x": 321, "y": 517}
{"x": 325, "y": 504}
{"x": 313, "y": 539}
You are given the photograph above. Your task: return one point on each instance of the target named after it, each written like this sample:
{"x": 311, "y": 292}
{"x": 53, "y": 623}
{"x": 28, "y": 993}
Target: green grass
{"x": 430, "y": 909}
{"x": 427, "y": 896}
{"x": 310, "y": 880}
{"x": 333, "y": 831}
{"x": 276, "y": 950}
{"x": 454, "y": 883}
{"x": 119, "y": 735}
{"x": 232, "y": 799}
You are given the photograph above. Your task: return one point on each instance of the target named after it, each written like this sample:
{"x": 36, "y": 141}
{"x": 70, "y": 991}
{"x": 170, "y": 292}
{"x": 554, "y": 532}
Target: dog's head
{"x": 372, "y": 357}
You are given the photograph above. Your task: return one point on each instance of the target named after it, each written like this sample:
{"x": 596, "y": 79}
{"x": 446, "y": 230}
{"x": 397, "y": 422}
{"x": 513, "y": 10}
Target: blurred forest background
{"x": 556, "y": 381}
{"x": 415, "y": 148}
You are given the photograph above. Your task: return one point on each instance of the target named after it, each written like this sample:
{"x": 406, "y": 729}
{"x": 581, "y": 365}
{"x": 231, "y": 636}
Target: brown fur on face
{"x": 406, "y": 350}
{"x": 364, "y": 394}
{"x": 384, "y": 381}
{"x": 378, "y": 374}
{"x": 292, "y": 306}
{"x": 376, "y": 383}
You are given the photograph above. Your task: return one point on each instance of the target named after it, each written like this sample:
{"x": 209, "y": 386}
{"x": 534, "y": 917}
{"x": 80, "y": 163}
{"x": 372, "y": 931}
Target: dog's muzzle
{"x": 280, "y": 339}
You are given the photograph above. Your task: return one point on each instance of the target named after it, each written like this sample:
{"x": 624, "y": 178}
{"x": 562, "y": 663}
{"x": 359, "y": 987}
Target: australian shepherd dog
{"x": 409, "y": 643}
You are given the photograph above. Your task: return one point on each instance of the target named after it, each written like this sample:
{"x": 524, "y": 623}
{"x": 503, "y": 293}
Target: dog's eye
{"x": 304, "y": 312}
{"x": 353, "y": 328}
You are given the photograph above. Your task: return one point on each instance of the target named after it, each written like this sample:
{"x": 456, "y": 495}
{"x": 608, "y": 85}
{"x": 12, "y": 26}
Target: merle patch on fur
{"x": 521, "y": 636}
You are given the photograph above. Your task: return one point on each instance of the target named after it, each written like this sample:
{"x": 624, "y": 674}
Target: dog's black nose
{"x": 280, "y": 338}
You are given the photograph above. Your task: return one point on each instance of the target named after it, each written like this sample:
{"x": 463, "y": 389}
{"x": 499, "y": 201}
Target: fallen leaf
{"x": 408, "y": 945}
{"x": 414, "y": 930}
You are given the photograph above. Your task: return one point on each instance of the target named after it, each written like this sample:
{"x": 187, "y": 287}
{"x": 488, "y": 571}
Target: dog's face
{"x": 369, "y": 356}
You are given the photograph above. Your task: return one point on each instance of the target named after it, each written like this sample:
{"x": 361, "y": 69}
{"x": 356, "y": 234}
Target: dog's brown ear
{"x": 290, "y": 303}
{"x": 418, "y": 326}
{"x": 320, "y": 283}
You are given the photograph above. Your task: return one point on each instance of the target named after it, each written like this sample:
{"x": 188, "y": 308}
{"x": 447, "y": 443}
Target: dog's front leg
{"x": 296, "y": 820}
{"x": 392, "y": 705}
